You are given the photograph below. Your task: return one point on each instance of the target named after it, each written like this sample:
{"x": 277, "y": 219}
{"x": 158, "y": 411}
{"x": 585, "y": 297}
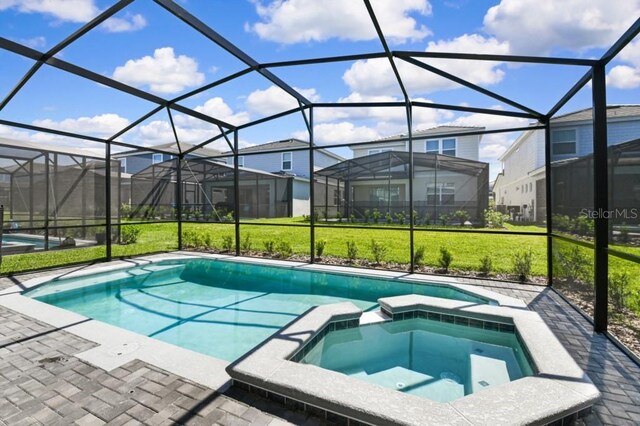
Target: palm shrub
{"x": 284, "y": 249}
{"x": 376, "y": 215}
{"x": 227, "y": 243}
{"x": 418, "y": 255}
{"x": 246, "y": 243}
{"x": 573, "y": 265}
{"x": 269, "y": 246}
{"x": 444, "y": 219}
{"x": 486, "y": 266}
{"x": 320, "y": 244}
{"x": 352, "y": 251}
{"x": 619, "y": 290}
{"x": 388, "y": 218}
{"x": 378, "y": 250}
{"x": 401, "y": 216}
{"x": 522, "y": 264}
{"x": 462, "y": 216}
{"x": 445, "y": 259}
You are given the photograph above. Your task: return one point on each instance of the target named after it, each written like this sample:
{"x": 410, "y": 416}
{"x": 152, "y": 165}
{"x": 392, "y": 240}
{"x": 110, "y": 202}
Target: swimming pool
{"x": 36, "y": 240}
{"x": 217, "y": 307}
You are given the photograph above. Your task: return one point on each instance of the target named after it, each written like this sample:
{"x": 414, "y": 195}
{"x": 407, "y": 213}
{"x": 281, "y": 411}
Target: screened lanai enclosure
{"x": 53, "y": 198}
{"x": 276, "y": 200}
{"x": 208, "y": 192}
{"x": 442, "y": 185}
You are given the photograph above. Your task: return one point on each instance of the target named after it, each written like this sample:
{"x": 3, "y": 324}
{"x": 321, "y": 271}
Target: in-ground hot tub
{"x": 424, "y": 356}
{"x": 524, "y": 376}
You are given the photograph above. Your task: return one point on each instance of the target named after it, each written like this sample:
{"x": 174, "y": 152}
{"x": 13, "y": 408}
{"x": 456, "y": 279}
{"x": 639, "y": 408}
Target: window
{"x": 433, "y": 146}
{"x": 123, "y": 165}
{"x": 384, "y": 193}
{"x": 156, "y": 158}
{"x": 441, "y": 194}
{"x": 286, "y": 161}
{"x": 379, "y": 150}
{"x": 563, "y": 142}
{"x": 530, "y": 186}
{"x": 241, "y": 161}
{"x": 441, "y": 146}
{"x": 449, "y": 147}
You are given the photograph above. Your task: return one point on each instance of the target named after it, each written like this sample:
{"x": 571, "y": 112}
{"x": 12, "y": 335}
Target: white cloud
{"x": 542, "y": 26}
{"x": 53, "y": 141}
{"x": 343, "y": 132}
{"x": 102, "y": 125}
{"x": 68, "y": 10}
{"x": 375, "y": 76}
{"x": 128, "y": 23}
{"x": 274, "y": 100}
{"x": 164, "y": 72}
{"x": 295, "y": 21}
{"x": 79, "y": 11}
{"x": 190, "y": 129}
{"x": 626, "y": 76}
{"x": 34, "y": 42}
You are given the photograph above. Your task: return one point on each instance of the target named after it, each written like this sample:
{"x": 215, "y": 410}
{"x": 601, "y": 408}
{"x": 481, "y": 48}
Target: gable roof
{"x": 613, "y": 111}
{"x": 27, "y": 149}
{"x": 172, "y": 148}
{"x": 284, "y": 145}
{"x": 432, "y": 131}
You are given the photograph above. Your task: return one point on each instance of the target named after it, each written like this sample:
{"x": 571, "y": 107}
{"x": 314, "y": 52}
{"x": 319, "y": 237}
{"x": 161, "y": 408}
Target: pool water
{"x": 216, "y": 307}
{"x": 431, "y": 359}
{"x": 38, "y": 243}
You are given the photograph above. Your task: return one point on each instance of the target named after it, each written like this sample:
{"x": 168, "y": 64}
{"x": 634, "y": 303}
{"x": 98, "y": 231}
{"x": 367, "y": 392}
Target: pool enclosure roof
{"x": 397, "y": 163}
{"x": 224, "y": 130}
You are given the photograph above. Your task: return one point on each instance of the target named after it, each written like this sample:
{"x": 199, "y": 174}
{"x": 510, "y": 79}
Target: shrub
{"x": 245, "y": 245}
{"x": 414, "y": 215}
{"x": 486, "y": 266}
{"x": 388, "y": 218}
{"x": 269, "y": 246}
{"x": 229, "y": 217}
{"x": 561, "y": 222}
{"x": 352, "y": 251}
{"x": 495, "y": 219}
{"x": 445, "y": 259}
{"x": 320, "y": 244}
{"x": 378, "y": 250}
{"x": 444, "y": 219}
{"x": 125, "y": 209}
{"x": 427, "y": 219}
{"x": 522, "y": 264}
{"x": 582, "y": 225}
{"x": 227, "y": 242}
{"x": 283, "y": 249}
{"x": 306, "y": 218}
{"x": 129, "y": 234}
{"x": 367, "y": 215}
{"x": 208, "y": 241}
{"x": 352, "y": 218}
{"x": 619, "y": 291}
{"x": 339, "y": 216}
{"x": 624, "y": 234}
{"x": 418, "y": 255}
{"x": 401, "y": 216}
{"x": 462, "y": 216}
{"x": 376, "y": 215}
{"x": 573, "y": 264}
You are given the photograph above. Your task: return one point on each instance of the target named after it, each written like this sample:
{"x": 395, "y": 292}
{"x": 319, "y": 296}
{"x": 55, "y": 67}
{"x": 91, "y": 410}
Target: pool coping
{"x": 559, "y": 390}
{"x": 117, "y": 346}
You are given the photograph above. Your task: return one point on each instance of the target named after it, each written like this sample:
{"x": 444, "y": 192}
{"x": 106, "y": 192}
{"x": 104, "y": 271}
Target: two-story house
{"x": 132, "y": 162}
{"x": 520, "y": 187}
{"x": 289, "y": 159}
{"x": 447, "y": 176}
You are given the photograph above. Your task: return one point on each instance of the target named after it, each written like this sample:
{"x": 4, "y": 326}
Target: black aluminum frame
{"x": 594, "y": 73}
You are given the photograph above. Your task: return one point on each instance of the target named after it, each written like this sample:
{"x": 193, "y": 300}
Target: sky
{"x": 146, "y": 47}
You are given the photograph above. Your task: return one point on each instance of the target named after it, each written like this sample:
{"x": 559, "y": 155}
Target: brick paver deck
{"x": 42, "y": 382}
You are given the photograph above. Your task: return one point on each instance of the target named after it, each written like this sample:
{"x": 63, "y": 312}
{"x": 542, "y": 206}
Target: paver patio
{"x": 42, "y": 382}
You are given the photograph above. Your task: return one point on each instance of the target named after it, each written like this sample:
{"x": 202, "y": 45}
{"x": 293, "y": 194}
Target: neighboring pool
{"x": 217, "y": 307}
{"x": 37, "y": 241}
{"x": 431, "y": 359}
